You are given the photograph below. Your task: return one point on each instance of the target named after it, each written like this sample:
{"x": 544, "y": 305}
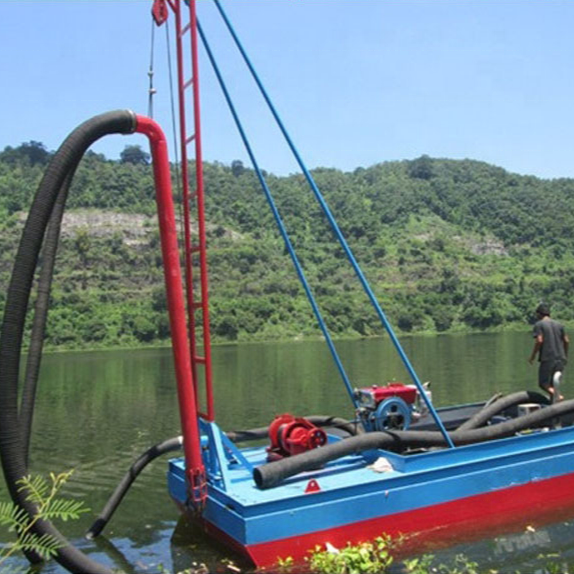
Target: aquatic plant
{"x": 44, "y": 495}
{"x": 376, "y": 558}
{"x": 365, "y": 558}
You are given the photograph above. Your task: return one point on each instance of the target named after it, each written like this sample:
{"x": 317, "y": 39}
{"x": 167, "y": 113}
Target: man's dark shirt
{"x": 553, "y": 340}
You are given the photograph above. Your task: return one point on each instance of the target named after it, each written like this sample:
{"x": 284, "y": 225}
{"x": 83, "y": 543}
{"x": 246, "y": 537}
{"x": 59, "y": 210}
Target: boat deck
{"x": 348, "y": 497}
{"x": 359, "y": 469}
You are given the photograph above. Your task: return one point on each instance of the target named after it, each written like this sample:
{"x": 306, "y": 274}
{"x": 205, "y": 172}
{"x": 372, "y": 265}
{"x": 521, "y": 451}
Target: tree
{"x": 82, "y": 244}
{"x": 143, "y": 329}
{"x": 421, "y": 168}
{"x": 135, "y": 155}
{"x": 35, "y": 153}
{"x": 237, "y": 167}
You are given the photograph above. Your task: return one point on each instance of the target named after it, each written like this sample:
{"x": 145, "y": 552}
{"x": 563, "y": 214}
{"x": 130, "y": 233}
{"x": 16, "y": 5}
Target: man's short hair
{"x": 543, "y": 309}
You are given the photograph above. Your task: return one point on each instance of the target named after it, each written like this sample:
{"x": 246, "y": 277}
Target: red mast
{"x": 195, "y": 249}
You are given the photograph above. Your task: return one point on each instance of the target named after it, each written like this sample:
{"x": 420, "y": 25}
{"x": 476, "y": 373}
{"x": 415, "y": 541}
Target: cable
{"x": 334, "y": 226}
{"x": 174, "y": 131}
{"x": 151, "y": 90}
{"x": 280, "y": 224}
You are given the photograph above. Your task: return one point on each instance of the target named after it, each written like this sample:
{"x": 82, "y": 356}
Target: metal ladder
{"x": 190, "y": 137}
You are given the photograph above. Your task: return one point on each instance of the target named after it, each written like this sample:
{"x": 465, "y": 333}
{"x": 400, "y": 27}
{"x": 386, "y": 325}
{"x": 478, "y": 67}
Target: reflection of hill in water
{"x": 540, "y": 545}
{"x": 97, "y": 412}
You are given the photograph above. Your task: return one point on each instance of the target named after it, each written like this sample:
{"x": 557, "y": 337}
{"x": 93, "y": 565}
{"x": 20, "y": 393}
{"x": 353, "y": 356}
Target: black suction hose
{"x": 176, "y": 443}
{"x": 148, "y": 456}
{"x": 271, "y": 474}
{"x": 12, "y": 449}
{"x": 492, "y": 409}
{"x": 49, "y": 250}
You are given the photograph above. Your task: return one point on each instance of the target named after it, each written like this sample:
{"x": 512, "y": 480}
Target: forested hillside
{"x": 447, "y": 246}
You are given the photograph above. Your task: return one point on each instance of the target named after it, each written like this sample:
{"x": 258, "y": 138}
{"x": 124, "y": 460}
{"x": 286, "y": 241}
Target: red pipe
{"x": 195, "y": 469}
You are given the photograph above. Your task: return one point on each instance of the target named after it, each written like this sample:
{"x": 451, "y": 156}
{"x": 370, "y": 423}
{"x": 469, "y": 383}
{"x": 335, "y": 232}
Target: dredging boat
{"x": 400, "y": 467}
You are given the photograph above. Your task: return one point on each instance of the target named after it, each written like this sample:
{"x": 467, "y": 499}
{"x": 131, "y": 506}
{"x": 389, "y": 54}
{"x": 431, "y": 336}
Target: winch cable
{"x": 271, "y": 474}
{"x": 151, "y": 72}
{"x": 14, "y": 465}
{"x": 152, "y": 91}
{"x": 279, "y": 222}
{"x": 178, "y": 181}
{"x": 335, "y": 228}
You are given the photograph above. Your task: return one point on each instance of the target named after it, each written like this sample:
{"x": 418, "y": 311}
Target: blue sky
{"x": 356, "y": 82}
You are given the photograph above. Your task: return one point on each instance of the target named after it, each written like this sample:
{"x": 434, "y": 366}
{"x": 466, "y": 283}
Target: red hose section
{"x": 195, "y": 470}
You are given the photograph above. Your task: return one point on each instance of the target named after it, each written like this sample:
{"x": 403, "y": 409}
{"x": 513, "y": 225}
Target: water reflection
{"x": 97, "y": 412}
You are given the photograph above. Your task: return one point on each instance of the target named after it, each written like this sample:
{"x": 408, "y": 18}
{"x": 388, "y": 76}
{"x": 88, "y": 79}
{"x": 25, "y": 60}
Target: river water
{"x": 99, "y": 411}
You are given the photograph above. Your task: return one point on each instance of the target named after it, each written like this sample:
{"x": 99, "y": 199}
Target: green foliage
{"x": 376, "y": 557}
{"x": 44, "y": 495}
{"x": 366, "y": 558}
{"x": 135, "y": 155}
{"x": 462, "y": 565}
{"x": 446, "y": 246}
{"x": 31, "y": 153}
{"x": 419, "y": 564}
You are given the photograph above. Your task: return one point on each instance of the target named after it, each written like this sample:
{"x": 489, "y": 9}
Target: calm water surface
{"x": 97, "y": 412}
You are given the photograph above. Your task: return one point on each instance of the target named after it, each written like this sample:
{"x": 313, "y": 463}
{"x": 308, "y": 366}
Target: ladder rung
{"x": 190, "y": 139}
{"x": 200, "y": 360}
{"x": 185, "y": 29}
{"x": 195, "y": 249}
{"x": 188, "y": 83}
{"x": 198, "y": 305}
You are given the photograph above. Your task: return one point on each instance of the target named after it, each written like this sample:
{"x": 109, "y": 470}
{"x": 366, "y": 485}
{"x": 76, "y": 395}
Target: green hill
{"x": 446, "y": 245}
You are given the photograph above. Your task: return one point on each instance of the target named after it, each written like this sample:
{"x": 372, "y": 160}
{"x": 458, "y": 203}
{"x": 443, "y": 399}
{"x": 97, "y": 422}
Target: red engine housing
{"x": 291, "y": 435}
{"x": 406, "y": 392}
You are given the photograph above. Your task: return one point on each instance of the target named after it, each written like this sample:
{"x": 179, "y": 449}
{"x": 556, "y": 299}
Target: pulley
{"x": 391, "y": 414}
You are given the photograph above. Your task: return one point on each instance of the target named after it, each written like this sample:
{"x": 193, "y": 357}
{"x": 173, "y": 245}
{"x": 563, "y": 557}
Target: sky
{"x": 356, "y": 82}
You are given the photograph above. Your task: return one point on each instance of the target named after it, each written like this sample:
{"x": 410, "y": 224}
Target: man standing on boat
{"x": 551, "y": 343}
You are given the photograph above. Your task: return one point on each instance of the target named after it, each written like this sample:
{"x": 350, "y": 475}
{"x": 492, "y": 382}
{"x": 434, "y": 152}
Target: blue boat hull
{"x": 425, "y": 496}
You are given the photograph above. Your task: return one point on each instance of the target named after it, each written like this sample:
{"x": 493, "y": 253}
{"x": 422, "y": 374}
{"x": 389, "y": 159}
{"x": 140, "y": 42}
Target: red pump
{"x": 291, "y": 435}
